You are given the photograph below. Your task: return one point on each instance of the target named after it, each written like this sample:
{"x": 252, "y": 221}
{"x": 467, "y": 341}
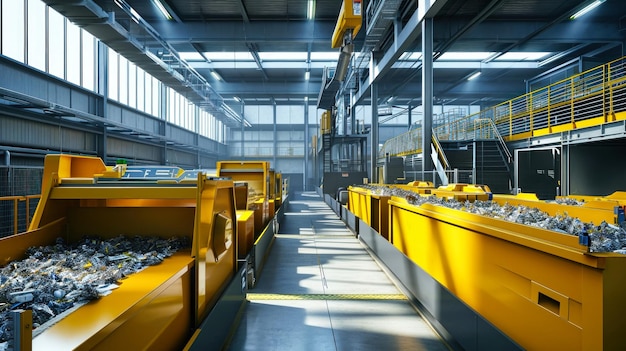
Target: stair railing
{"x": 488, "y": 122}
{"x": 440, "y": 154}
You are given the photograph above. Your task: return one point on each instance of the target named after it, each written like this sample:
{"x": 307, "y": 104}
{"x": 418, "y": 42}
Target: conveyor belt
{"x": 321, "y": 290}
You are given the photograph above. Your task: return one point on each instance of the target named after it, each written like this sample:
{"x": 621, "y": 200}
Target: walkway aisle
{"x": 321, "y": 290}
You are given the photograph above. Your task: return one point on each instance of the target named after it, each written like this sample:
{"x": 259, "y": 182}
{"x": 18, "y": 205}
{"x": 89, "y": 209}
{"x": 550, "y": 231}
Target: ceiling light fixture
{"x": 216, "y": 75}
{"x": 237, "y": 98}
{"x": 162, "y": 8}
{"x": 586, "y": 9}
{"x": 310, "y": 14}
{"x": 474, "y": 76}
{"x": 307, "y": 75}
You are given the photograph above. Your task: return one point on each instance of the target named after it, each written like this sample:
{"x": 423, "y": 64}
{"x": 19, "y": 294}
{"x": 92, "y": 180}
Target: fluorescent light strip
{"x": 310, "y": 14}
{"x": 307, "y": 75}
{"x": 474, "y": 76}
{"x": 162, "y": 8}
{"x": 216, "y": 75}
{"x": 586, "y": 9}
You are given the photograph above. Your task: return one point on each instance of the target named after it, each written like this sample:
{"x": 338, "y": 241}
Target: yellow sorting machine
{"x": 541, "y": 288}
{"x": 159, "y": 307}
{"x": 257, "y": 175}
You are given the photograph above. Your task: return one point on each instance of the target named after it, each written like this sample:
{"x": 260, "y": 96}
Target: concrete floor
{"x": 321, "y": 290}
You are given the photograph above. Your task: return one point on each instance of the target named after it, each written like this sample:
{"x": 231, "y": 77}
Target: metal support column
{"x": 274, "y": 165}
{"x": 243, "y": 130}
{"x": 354, "y": 129}
{"x": 427, "y": 94}
{"x": 306, "y": 143}
{"x": 410, "y": 116}
{"x": 22, "y": 329}
{"x": 565, "y": 160}
{"x": 163, "y": 121}
{"x": 374, "y": 134}
{"x": 103, "y": 89}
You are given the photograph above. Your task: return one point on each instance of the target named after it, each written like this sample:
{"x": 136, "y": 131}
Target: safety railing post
{"x": 22, "y": 329}
{"x": 549, "y": 107}
{"x": 610, "y": 73}
{"x": 572, "y": 94}
{"x": 510, "y": 118}
{"x": 530, "y": 113}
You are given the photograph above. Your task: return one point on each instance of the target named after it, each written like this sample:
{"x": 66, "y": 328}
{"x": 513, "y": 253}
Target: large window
{"x": 56, "y": 44}
{"x": 72, "y": 53}
{"x": 132, "y": 85}
{"x": 113, "y": 75}
{"x": 88, "y": 60}
{"x": 37, "y": 34}
{"x": 122, "y": 83}
{"x": 13, "y": 29}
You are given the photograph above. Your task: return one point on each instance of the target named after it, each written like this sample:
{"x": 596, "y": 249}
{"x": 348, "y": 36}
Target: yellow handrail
{"x": 16, "y": 213}
{"x": 590, "y": 98}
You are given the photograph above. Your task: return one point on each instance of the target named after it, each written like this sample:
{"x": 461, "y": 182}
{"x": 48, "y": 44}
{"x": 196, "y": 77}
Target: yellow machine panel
{"x": 279, "y": 189}
{"x": 245, "y": 232}
{"x": 158, "y": 307}
{"x": 325, "y": 125}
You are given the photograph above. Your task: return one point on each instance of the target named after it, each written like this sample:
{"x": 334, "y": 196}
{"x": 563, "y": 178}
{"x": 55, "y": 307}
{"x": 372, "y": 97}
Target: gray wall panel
{"x": 597, "y": 168}
{"x": 114, "y": 113}
{"x": 28, "y": 133}
{"x": 133, "y": 151}
{"x": 182, "y": 159}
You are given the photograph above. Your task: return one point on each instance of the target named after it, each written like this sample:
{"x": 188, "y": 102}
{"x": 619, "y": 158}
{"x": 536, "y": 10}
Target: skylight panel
{"x": 411, "y": 56}
{"x": 229, "y": 56}
{"x": 191, "y": 56}
{"x": 522, "y": 56}
{"x": 465, "y": 56}
{"x": 325, "y": 56}
{"x": 283, "y": 56}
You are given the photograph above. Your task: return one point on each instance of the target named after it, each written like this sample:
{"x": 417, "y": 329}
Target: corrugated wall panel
{"x": 27, "y": 133}
{"x": 133, "y": 151}
{"x": 182, "y": 159}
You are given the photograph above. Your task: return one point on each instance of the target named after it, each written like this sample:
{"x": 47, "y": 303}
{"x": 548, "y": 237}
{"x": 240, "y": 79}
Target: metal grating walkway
{"x": 321, "y": 290}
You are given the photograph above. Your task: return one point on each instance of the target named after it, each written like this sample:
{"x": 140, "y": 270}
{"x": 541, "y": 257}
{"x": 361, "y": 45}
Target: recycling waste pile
{"x": 58, "y": 278}
{"x": 604, "y": 237}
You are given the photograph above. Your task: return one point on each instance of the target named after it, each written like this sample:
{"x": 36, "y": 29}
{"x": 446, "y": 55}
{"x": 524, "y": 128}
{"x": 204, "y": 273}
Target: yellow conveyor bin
{"x": 245, "y": 221}
{"x": 257, "y": 175}
{"x": 539, "y": 287}
{"x": 158, "y": 307}
{"x": 370, "y": 207}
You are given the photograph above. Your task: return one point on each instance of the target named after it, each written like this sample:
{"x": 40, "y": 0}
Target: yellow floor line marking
{"x": 319, "y": 236}
{"x": 258, "y": 296}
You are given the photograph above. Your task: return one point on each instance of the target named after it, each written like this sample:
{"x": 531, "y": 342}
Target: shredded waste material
{"x": 605, "y": 237}
{"x": 54, "y": 279}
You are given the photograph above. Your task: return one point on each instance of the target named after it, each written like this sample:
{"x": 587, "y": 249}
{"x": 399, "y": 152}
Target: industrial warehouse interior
{"x": 312, "y": 174}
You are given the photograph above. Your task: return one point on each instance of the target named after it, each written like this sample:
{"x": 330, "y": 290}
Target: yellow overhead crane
{"x": 348, "y": 23}
{"x": 158, "y": 307}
